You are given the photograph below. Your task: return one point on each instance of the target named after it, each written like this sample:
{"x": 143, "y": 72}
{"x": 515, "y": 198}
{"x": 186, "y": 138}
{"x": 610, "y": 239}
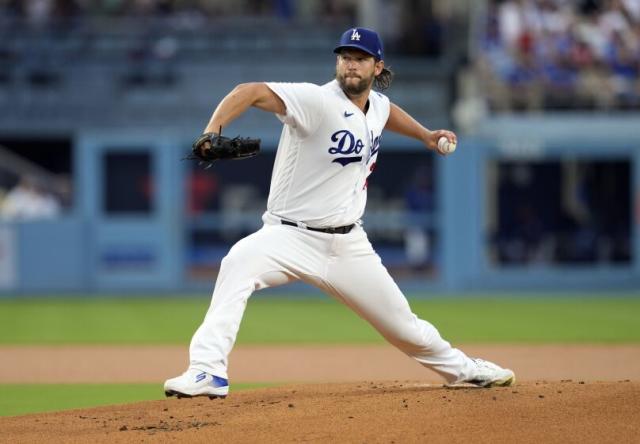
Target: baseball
{"x": 445, "y": 147}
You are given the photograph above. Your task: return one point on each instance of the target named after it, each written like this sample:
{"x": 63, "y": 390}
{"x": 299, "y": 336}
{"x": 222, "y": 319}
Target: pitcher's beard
{"x": 354, "y": 89}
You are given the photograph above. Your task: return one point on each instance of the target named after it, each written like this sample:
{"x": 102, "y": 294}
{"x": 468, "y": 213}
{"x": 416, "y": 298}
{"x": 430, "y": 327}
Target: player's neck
{"x": 360, "y": 100}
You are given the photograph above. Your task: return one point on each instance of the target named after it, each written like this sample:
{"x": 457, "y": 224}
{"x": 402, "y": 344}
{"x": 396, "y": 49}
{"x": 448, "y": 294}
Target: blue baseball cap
{"x": 363, "y": 39}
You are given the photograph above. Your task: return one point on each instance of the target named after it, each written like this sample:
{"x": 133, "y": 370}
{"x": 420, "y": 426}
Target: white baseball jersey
{"x": 327, "y": 149}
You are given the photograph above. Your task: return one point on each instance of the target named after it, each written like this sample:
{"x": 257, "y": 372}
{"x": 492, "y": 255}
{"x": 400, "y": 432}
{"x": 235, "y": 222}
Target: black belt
{"x": 330, "y": 230}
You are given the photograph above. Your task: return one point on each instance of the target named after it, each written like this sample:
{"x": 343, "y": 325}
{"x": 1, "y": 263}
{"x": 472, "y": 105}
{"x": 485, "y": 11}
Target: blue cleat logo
{"x": 217, "y": 381}
{"x": 201, "y": 376}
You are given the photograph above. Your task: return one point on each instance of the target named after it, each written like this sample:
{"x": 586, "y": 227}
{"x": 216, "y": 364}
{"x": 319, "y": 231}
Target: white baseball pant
{"x": 344, "y": 266}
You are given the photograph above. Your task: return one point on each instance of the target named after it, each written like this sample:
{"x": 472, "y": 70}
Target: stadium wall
{"x": 89, "y": 250}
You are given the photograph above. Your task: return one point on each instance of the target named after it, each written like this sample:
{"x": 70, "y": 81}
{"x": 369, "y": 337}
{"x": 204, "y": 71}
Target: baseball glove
{"x": 211, "y": 147}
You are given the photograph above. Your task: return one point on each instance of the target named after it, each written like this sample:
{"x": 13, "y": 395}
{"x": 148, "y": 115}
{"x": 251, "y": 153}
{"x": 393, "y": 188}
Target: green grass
{"x": 269, "y": 320}
{"x": 20, "y": 399}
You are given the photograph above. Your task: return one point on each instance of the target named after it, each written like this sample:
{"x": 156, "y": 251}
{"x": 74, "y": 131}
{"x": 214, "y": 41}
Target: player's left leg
{"x": 274, "y": 255}
{"x": 358, "y": 278}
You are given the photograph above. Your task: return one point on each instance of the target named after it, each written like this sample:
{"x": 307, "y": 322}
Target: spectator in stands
{"x": 29, "y": 201}
{"x": 624, "y": 66}
{"x": 581, "y": 54}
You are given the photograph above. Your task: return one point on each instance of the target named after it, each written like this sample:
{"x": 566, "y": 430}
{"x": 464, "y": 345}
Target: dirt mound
{"x": 385, "y": 412}
{"x": 307, "y": 363}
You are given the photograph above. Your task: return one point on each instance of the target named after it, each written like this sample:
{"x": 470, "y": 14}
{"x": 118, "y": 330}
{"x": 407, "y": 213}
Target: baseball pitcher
{"x": 312, "y": 230}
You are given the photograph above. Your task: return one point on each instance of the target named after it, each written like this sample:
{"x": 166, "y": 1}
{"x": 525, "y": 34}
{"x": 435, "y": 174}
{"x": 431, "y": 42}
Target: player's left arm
{"x": 241, "y": 98}
{"x": 402, "y": 123}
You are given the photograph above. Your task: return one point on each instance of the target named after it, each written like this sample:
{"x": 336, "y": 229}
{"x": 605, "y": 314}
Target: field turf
{"x": 19, "y": 399}
{"x": 269, "y": 320}
{"x": 554, "y": 318}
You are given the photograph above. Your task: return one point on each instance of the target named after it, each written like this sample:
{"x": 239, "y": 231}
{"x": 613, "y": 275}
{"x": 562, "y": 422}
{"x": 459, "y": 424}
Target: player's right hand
{"x": 434, "y": 136}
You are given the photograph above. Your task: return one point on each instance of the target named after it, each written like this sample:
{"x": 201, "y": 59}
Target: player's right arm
{"x": 241, "y": 98}
{"x": 401, "y": 122}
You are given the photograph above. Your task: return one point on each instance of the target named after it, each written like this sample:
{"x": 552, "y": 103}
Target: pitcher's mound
{"x": 371, "y": 412}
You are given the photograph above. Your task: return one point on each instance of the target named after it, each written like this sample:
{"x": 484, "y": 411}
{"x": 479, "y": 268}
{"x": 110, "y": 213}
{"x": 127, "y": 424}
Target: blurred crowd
{"x": 414, "y": 27}
{"x": 147, "y": 42}
{"x": 44, "y": 10}
{"x": 561, "y": 54}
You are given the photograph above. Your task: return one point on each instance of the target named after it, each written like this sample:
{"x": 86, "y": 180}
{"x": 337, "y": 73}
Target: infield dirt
{"x": 558, "y": 398}
{"x": 367, "y": 412}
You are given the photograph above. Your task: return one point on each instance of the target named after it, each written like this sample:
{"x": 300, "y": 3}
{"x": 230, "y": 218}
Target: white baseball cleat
{"x": 487, "y": 374}
{"x": 196, "y": 383}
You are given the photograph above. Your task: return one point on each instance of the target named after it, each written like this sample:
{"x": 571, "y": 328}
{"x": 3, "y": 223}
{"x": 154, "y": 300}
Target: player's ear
{"x": 379, "y": 67}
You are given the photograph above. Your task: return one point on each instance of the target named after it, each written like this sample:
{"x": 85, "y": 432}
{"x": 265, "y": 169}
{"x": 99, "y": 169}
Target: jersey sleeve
{"x": 304, "y": 103}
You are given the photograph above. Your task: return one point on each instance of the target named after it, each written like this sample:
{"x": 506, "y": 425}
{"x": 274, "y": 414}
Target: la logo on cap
{"x": 355, "y": 35}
